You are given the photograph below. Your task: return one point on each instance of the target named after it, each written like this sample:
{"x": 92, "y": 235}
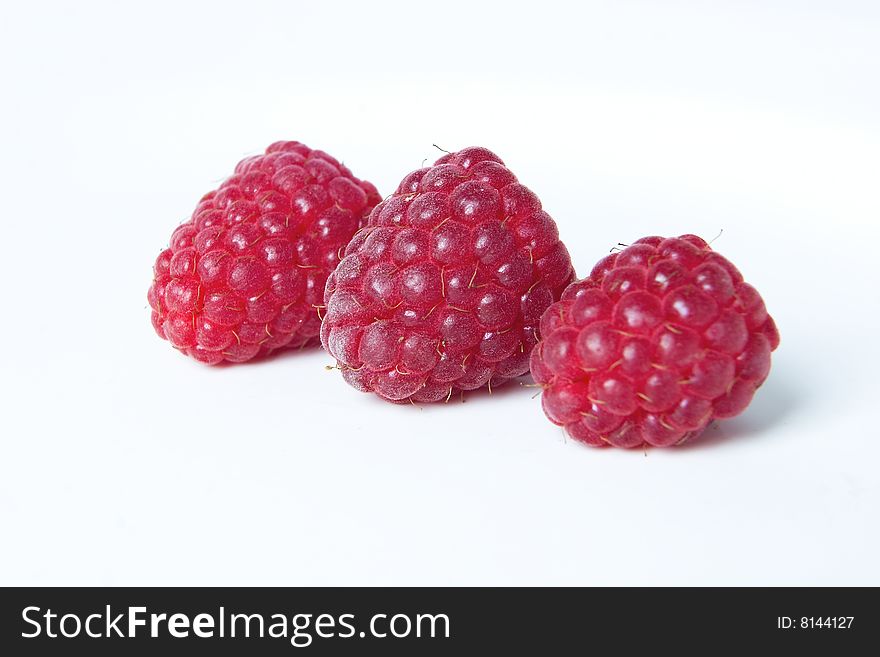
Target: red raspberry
{"x": 245, "y": 274}
{"x": 444, "y": 289}
{"x": 660, "y": 339}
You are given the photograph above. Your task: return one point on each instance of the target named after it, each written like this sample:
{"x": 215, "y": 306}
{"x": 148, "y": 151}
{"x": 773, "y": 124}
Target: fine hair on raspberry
{"x": 658, "y": 341}
{"x": 444, "y": 288}
{"x": 245, "y": 275}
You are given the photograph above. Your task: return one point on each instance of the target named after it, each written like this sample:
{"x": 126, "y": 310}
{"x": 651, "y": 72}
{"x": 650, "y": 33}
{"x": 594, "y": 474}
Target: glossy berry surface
{"x": 245, "y": 275}
{"x": 445, "y": 287}
{"x": 661, "y": 339}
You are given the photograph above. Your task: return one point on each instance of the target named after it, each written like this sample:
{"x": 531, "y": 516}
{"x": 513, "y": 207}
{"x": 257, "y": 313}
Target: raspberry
{"x": 245, "y": 274}
{"x": 444, "y": 288}
{"x": 660, "y": 339}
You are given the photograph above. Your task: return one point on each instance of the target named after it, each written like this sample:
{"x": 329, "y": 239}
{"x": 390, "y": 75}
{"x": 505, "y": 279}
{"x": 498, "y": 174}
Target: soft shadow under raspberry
{"x": 773, "y": 403}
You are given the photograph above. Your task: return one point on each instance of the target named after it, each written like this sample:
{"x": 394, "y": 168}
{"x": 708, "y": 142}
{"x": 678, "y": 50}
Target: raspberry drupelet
{"x": 245, "y": 275}
{"x": 661, "y": 339}
{"x": 444, "y": 288}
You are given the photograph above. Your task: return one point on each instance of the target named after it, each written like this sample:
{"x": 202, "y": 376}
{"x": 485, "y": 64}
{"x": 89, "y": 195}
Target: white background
{"x": 123, "y": 462}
